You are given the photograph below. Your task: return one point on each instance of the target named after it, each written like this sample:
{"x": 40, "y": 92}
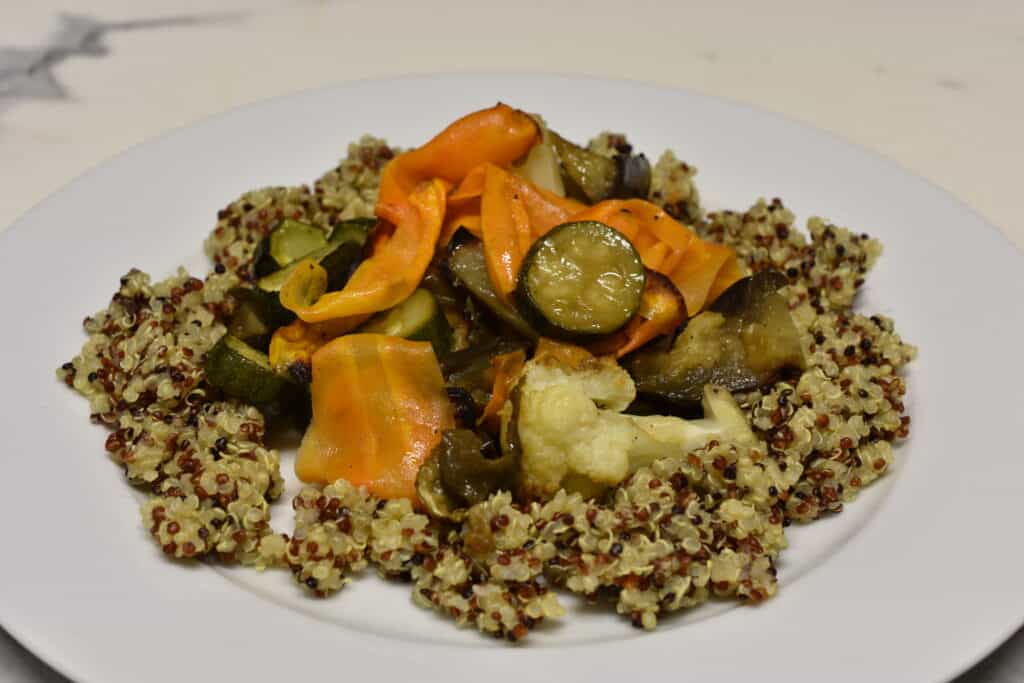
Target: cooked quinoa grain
{"x": 707, "y": 524}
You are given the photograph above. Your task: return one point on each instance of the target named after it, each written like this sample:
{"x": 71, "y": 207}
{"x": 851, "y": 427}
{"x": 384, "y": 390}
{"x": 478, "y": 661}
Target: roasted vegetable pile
{"x": 515, "y": 367}
{"x": 469, "y": 339}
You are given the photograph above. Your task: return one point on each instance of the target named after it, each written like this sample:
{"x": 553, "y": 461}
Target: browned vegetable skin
{"x": 432, "y": 494}
{"x": 747, "y": 339}
{"x": 464, "y": 469}
{"x": 470, "y": 369}
{"x": 592, "y": 177}
{"x": 473, "y": 467}
{"x": 467, "y": 266}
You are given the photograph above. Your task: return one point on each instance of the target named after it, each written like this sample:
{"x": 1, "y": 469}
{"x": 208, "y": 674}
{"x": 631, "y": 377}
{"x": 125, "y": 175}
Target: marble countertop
{"x": 935, "y": 86}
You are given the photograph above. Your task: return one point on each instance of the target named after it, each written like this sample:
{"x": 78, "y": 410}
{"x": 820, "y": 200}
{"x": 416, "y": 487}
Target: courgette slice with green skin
{"x": 276, "y": 280}
{"x": 352, "y": 230}
{"x": 288, "y": 241}
{"x": 265, "y": 305}
{"x": 257, "y": 315}
{"x": 468, "y": 266}
{"x": 579, "y": 281}
{"x": 291, "y": 240}
{"x": 418, "y": 318}
{"x": 587, "y": 176}
{"x": 242, "y": 372}
{"x": 246, "y": 324}
{"x": 340, "y": 263}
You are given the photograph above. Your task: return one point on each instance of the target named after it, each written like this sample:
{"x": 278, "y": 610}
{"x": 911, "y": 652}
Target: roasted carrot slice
{"x": 466, "y": 215}
{"x": 662, "y": 310}
{"x": 506, "y": 368}
{"x": 727, "y": 276}
{"x": 499, "y": 135}
{"x": 379, "y": 407}
{"x": 505, "y": 227}
{"x": 698, "y": 271}
{"x": 513, "y": 213}
{"x": 412, "y": 197}
{"x": 391, "y": 273}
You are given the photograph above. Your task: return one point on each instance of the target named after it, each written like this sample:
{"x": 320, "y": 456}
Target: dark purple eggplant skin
{"x": 747, "y": 300}
{"x": 633, "y": 178}
{"x": 745, "y": 296}
{"x": 469, "y": 370}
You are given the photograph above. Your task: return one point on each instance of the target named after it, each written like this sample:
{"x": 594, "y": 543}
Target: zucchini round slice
{"x": 242, "y": 372}
{"x": 418, "y": 318}
{"x": 581, "y": 279}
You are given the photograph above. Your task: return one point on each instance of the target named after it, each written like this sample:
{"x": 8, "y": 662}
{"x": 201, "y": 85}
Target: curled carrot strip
{"x": 413, "y": 198}
{"x": 390, "y": 275}
{"x": 506, "y": 367}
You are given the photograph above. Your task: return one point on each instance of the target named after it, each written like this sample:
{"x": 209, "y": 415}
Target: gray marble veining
{"x": 29, "y": 72}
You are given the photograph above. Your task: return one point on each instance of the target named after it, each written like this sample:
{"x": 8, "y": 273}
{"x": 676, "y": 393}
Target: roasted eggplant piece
{"x": 433, "y": 495}
{"x": 468, "y": 267}
{"x": 465, "y": 408}
{"x": 592, "y": 177}
{"x": 746, "y": 340}
{"x": 436, "y": 281}
{"x": 453, "y": 302}
{"x": 587, "y": 176}
{"x": 634, "y": 176}
{"x": 464, "y": 469}
{"x": 470, "y": 369}
{"x": 472, "y": 467}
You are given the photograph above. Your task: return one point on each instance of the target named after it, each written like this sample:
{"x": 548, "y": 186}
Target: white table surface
{"x": 937, "y": 86}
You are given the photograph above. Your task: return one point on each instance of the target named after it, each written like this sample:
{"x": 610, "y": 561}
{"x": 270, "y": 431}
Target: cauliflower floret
{"x": 723, "y": 421}
{"x": 574, "y": 436}
{"x": 601, "y": 380}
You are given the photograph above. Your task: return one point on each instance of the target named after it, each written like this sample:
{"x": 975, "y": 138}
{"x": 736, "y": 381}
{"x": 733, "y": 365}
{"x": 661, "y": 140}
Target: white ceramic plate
{"x": 915, "y": 581}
